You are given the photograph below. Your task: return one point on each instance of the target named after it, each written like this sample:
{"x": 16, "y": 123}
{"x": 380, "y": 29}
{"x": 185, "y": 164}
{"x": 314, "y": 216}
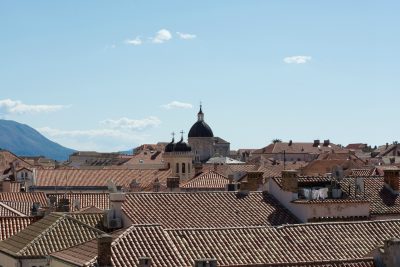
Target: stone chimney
{"x": 392, "y": 179}
{"x": 254, "y": 180}
{"x": 63, "y": 205}
{"x": 198, "y": 168}
{"x": 116, "y": 201}
{"x": 205, "y": 263}
{"x": 104, "y": 253}
{"x": 6, "y": 185}
{"x": 173, "y": 184}
{"x": 390, "y": 255}
{"x": 327, "y": 142}
{"x": 316, "y": 143}
{"x": 144, "y": 261}
{"x": 243, "y": 189}
{"x": 290, "y": 181}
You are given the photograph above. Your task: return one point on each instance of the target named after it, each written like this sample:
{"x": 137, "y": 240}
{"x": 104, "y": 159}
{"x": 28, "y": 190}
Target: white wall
{"x": 306, "y": 211}
{"x": 7, "y": 261}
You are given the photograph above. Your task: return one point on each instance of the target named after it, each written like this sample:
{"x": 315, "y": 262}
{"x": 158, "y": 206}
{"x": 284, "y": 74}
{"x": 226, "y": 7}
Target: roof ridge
{"x": 62, "y": 216}
{"x": 129, "y": 229}
{"x": 4, "y": 205}
{"x": 33, "y": 241}
{"x": 189, "y": 193}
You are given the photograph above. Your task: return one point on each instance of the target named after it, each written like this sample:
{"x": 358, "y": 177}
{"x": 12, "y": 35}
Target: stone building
{"x": 179, "y": 157}
{"x": 204, "y": 144}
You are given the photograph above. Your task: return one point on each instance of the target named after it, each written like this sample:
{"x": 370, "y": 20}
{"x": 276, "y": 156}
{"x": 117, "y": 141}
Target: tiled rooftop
{"x": 70, "y": 178}
{"x": 22, "y": 207}
{"x": 205, "y": 209}
{"x": 291, "y": 243}
{"x": 207, "y": 181}
{"x": 128, "y": 245}
{"x": 11, "y": 225}
{"x": 26, "y": 197}
{"x": 52, "y": 233}
{"x": 85, "y": 200}
{"x": 303, "y": 245}
{"x": 383, "y": 202}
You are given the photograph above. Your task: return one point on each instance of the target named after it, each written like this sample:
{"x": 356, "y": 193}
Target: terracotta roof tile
{"x": 52, "y": 233}
{"x": 11, "y": 225}
{"x": 80, "y": 201}
{"x": 290, "y": 243}
{"x": 205, "y": 209}
{"x": 303, "y": 245}
{"x": 128, "y": 246}
{"x": 27, "y": 197}
{"x": 22, "y": 207}
{"x": 207, "y": 181}
{"x": 70, "y": 178}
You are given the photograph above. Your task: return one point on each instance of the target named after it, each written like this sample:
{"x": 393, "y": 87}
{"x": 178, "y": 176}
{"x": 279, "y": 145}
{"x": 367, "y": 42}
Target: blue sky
{"x": 97, "y": 75}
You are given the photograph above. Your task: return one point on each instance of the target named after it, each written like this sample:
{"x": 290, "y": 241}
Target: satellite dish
{"x": 337, "y": 173}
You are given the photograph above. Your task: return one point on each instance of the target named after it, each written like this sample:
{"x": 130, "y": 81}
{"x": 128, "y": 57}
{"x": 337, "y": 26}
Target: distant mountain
{"x": 23, "y": 140}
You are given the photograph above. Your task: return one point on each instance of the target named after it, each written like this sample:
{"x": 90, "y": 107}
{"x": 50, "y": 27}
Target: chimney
{"x": 205, "y": 263}
{"x": 198, "y": 168}
{"x": 7, "y": 185}
{"x": 254, "y": 180}
{"x": 144, "y": 261}
{"x": 116, "y": 201}
{"x": 215, "y": 167}
{"x": 316, "y": 143}
{"x": 63, "y": 205}
{"x": 392, "y": 179}
{"x": 104, "y": 250}
{"x": 243, "y": 189}
{"x": 290, "y": 181}
{"x": 156, "y": 185}
{"x": 173, "y": 184}
{"x": 390, "y": 255}
{"x": 327, "y": 142}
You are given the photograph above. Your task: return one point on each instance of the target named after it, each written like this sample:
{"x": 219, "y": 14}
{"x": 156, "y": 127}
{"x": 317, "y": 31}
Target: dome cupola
{"x": 200, "y": 128}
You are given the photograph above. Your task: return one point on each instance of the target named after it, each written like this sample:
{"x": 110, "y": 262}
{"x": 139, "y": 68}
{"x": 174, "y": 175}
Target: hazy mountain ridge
{"x": 23, "y": 140}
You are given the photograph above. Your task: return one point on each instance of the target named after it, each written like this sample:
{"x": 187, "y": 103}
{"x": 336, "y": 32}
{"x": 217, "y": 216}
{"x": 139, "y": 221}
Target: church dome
{"x": 182, "y": 146}
{"x": 170, "y": 147}
{"x": 200, "y": 128}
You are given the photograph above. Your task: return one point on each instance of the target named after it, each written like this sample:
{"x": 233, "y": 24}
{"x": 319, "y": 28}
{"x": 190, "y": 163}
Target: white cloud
{"x": 177, "y": 104}
{"x": 162, "y": 36}
{"x": 8, "y": 106}
{"x": 109, "y": 140}
{"x": 137, "y": 41}
{"x": 297, "y": 59}
{"x": 131, "y": 124}
{"x": 186, "y": 36}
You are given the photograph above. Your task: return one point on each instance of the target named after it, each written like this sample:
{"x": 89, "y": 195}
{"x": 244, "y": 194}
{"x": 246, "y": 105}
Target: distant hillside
{"x": 23, "y": 140}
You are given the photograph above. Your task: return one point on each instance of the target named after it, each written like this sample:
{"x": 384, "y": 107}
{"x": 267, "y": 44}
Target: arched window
{"x": 177, "y": 168}
{"x": 183, "y": 168}
{"x": 188, "y": 167}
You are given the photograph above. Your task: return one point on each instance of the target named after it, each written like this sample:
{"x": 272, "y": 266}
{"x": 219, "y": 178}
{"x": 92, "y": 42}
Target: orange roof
{"x": 207, "y": 180}
{"x": 98, "y": 178}
{"x": 205, "y": 209}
